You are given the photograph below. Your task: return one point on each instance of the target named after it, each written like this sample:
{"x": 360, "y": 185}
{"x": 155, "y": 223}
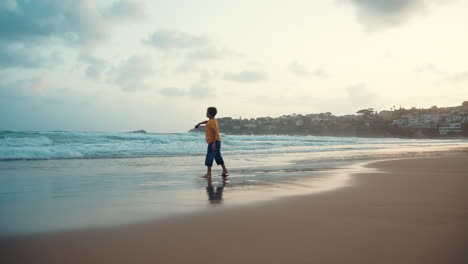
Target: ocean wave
{"x": 30, "y": 145}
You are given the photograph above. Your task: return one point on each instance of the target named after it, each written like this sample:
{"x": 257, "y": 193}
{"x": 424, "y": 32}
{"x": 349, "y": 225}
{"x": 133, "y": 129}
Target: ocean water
{"x": 53, "y": 181}
{"x": 89, "y": 145}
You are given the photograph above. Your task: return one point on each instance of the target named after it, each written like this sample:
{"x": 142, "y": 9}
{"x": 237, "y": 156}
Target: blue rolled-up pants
{"x": 213, "y": 154}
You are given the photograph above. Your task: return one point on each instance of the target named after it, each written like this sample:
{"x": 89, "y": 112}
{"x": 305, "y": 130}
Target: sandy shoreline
{"x": 415, "y": 212}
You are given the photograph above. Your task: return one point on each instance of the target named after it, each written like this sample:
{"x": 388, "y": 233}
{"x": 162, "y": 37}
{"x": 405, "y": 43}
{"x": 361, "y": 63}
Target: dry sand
{"x": 415, "y": 212}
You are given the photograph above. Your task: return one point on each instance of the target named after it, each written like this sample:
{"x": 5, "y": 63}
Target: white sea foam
{"x": 66, "y": 145}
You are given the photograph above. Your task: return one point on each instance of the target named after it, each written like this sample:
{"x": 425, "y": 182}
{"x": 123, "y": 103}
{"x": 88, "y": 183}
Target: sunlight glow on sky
{"x": 156, "y": 65}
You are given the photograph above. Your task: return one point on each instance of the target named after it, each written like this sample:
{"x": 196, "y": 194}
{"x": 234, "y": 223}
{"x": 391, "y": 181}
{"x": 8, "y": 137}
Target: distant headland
{"x": 434, "y": 122}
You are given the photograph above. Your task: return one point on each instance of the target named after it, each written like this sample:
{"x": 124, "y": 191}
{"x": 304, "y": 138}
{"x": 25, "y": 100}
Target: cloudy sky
{"x": 119, "y": 65}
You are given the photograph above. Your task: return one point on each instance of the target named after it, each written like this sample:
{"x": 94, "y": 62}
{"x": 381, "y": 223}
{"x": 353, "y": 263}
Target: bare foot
{"x": 225, "y": 173}
{"x": 206, "y": 176}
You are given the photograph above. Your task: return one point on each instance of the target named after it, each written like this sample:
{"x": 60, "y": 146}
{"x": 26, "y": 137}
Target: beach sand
{"x": 414, "y": 212}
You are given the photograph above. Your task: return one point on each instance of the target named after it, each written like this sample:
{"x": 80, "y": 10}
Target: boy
{"x": 214, "y": 142}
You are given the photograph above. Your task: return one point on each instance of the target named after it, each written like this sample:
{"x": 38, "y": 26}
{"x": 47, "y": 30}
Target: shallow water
{"x": 43, "y": 195}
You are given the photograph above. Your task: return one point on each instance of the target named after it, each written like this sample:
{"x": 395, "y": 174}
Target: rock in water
{"x": 139, "y": 131}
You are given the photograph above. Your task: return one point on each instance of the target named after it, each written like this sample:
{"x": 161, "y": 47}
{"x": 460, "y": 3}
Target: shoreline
{"x": 105, "y": 193}
{"x": 405, "y": 213}
{"x": 297, "y": 179}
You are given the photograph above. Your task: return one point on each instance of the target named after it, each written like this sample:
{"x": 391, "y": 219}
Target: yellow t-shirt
{"x": 210, "y": 136}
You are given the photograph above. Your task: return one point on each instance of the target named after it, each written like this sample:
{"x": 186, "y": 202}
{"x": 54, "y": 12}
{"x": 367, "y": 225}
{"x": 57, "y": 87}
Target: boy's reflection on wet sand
{"x": 215, "y": 196}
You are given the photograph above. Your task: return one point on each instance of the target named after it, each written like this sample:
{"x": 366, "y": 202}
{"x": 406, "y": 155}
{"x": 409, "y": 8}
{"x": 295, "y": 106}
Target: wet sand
{"x": 414, "y": 212}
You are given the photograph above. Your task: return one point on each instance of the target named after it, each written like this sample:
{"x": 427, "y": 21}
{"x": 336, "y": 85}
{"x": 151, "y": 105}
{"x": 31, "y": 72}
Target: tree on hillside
{"x": 366, "y": 113}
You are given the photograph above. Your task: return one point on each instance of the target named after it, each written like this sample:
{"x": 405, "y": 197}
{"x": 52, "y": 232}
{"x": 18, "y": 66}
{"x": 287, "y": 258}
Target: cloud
{"x": 444, "y": 75}
{"x": 374, "y": 14}
{"x": 208, "y": 53}
{"x": 197, "y": 91}
{"x": 193, "y": 59}
{"x": 16, "y": 55}
{"x": 22, "y": 89}
{"x": 320, "y": 73}
{"x": 171, "y": 39}
{"x": 173, "y": 92}
{"x": 95, "y": 66}
{"x": 430, "y": 68}
{"x": 360, "y": 96}
{"x": 126, "y": 9}
{"x": 39, "y": 85}
{"x": 298, "y": 69}
{"x": 193, "y": 49}
{"x": 201, "y": 91}
{"x": 9, "y": 5}
{"x": 355, "y": 97}
{"x": 459, "y": 77}
{"x": 28, "y": 27}
{"x": 301, "y": 70}
{"x": 196, "y": 47}
{"x": 246, "y": 76}
{"x": 76, "y": 21}
{"x": 134, "y": 74}
{"x": 13, "y": 55}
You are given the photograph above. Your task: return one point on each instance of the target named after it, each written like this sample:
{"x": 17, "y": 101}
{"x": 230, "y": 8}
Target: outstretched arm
{"x": 201, "y": 123}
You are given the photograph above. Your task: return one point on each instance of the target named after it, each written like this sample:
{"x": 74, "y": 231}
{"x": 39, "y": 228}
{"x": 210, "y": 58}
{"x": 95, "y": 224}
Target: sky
{"x": 123, "y": 65}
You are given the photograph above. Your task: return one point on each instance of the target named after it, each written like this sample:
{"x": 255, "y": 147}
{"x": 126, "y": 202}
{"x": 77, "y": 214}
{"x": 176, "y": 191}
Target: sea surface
{"x": 60, "y": 180}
